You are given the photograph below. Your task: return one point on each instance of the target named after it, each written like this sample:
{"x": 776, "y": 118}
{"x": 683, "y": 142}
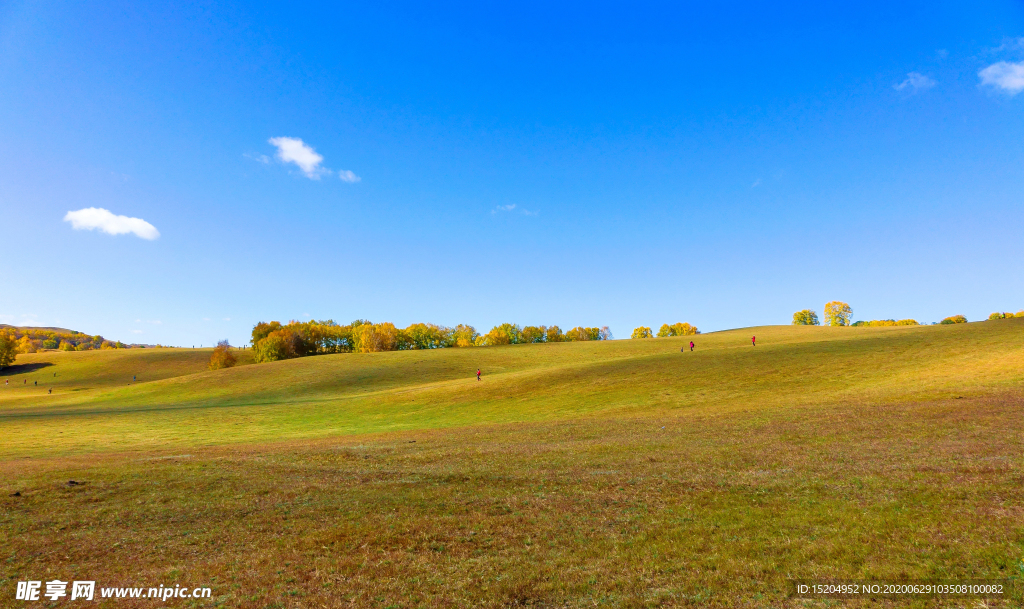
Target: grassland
{"x": 623, "y": 473}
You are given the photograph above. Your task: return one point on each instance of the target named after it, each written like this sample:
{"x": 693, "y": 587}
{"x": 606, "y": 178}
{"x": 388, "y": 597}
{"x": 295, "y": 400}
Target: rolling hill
{"x": 625, "y": 473}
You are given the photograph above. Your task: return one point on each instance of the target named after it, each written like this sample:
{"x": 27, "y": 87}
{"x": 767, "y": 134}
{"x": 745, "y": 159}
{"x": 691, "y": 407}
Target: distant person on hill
{"x": 478, "y": 374}
{"x": 691, "y": 345}
{"x": 133, "y": 377}
{"x": 50, "y": 390}
{"x": 753, "y": 340}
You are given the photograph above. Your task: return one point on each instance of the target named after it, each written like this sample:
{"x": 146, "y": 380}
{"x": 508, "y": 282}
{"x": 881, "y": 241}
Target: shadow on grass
{"x": 23, "y": 368}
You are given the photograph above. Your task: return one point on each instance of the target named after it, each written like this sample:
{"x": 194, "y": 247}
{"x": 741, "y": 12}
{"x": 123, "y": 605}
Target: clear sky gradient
{"x": 582, "y": 164}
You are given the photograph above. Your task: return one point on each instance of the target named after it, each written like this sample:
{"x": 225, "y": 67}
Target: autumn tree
{"x": 270, "y": 349}
{"x": 222, "y": 356}
{"x": 8, "y": 349}
{"x": 534, "y": 334}
{"x": 1000, "y": 316}
{"x": 954, "y": 319}
{"x": 371, "y": 338}
{"x": 464, "y": 335}
{"x": 678, "y": 329}
{"x": 642, "y": 332}
{"x": 806, "y": 317}
{"x": 837, "y": 313}
{"x": 554, "y": 335}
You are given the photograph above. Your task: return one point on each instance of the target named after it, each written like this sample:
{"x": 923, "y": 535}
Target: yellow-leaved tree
{"x": 806, "y": 317}
{"x": 679, "y": 329}
{"x": 222, "y": 356}
{"x": 642, "y": 332}
{"x": 837, "y": 313}
{"x": 376, "y": 337}
{"x": 8, "y": 349}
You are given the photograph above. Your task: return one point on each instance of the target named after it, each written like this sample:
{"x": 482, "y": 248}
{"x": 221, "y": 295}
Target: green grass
{"x": 623, "y": 473}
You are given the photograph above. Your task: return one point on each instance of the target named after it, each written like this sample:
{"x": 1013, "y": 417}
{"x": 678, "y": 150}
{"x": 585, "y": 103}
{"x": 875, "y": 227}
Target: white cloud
{"x": 92, "y": 218}
{"x": 227, "y": 319}
{"x": 348, "y": 176}
{"x": 756, "y": 183}
{"x": 294, "y": 150}
{"x": 498, "y": 208}
{"x": 1004, "y": 75}
{"x": 915, "y": 82}
{"x": 259, "y": 158}
{"x": 136, "y": 331}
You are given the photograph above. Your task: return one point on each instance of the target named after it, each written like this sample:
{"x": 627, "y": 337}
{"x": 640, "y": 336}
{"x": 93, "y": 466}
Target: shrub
{"x": 954, "y": 319}
{"x": 222, "y": 356}
{"x": 888, "y": 322}
{"x": 1000, "y": 316}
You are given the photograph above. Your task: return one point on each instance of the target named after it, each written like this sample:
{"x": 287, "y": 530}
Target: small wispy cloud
{"x": 97, "y": 218}
{"x": 1009, "y": 45}
{"x": 914, "y": 83}
{"x": 294, "y": 150}
{"x": 756, "y": 183}
{"x": 1005, "y": 76}
{"x": 259, "y": 158}
{"x": 348, "y": 176}
{"x": 512, "y": 208}
{"x": 227, "y": 319}
{"x": 941, "y": 53}
{"x": 136, "y": 331}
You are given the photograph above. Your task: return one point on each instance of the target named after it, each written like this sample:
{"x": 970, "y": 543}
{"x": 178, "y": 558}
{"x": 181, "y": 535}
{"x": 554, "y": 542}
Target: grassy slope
{"x": 619, "y": 473}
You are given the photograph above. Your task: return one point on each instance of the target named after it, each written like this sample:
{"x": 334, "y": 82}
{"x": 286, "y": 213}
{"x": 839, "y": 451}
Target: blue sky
{"x": 594, "y": 164}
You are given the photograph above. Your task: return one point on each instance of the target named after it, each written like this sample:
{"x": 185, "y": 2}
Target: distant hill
{"x": 41, "y": 338}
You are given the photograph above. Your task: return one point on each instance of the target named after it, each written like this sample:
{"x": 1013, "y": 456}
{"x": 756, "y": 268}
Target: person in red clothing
{"x": 691, "y": 345}
{"x": 478, "y": 374}
{"x": 753, "y": 340}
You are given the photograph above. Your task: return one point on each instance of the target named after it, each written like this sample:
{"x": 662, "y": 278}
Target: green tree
{"x": 270, "y": 349}
{"x": 837, "y": 313}
{"x": 806, "y": 317}
{"x": 642, "y": 332}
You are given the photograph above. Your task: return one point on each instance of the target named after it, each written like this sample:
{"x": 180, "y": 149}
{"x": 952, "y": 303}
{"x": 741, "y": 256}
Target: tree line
{"x": 678, "y": 329}
{"x": 31, "y": 340}
{"x": 839, "y": 313}
{"x": 272, "y": 341}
